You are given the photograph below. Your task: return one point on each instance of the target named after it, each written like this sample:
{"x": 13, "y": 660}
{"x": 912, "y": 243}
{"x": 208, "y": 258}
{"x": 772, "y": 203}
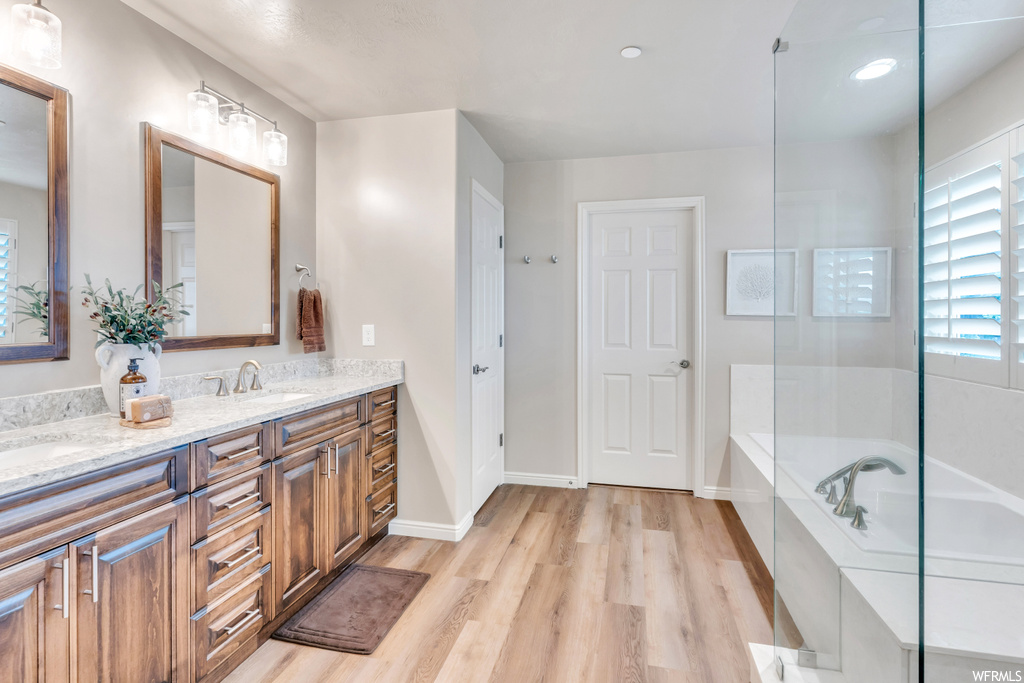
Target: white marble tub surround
{"x": 98, "y": 441}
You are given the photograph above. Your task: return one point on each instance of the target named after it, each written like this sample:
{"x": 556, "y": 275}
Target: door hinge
{"x": 501, "y": 340}
{"x": 501, "y": 439}
{"x": 501, "y": 241}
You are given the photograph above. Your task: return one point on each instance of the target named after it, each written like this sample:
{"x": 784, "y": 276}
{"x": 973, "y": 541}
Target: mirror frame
{"x": 155, "y": 140}
{"x": 57, "y": 161}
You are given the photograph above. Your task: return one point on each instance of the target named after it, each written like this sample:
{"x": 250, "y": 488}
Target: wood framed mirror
{"x": 33, "y": 219}
{"x": 212, "y": 224}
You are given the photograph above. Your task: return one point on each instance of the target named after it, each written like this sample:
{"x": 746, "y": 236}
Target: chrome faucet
{"x": 256, "y": 384}
{"x": 848, "y": 507}
{"x": 827, "y": 486}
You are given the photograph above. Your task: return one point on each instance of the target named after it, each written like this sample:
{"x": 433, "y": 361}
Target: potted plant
{"x": 130, "y": 326}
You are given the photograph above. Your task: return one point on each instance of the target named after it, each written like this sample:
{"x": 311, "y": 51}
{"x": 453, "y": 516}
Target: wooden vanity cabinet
{"x": 132, "y": 599}
{"x": 345, "y": 524}
{"x": 35, "y": 621}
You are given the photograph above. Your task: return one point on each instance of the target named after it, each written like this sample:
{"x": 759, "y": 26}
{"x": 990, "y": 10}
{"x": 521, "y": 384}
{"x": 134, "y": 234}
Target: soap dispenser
{"x": 133, "y": 385}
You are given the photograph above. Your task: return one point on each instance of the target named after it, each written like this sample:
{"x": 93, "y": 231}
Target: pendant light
{"x": 241, "y": 132}
{"x": 36, "y": 35}
{"x": 275, "y": 147}
{"x": 203, "y": 111}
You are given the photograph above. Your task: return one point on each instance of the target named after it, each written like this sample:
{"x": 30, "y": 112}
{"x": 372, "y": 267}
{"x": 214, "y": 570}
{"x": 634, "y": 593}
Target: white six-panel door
{"x": 488, "y": 227}
{"x": 638, "y": 331}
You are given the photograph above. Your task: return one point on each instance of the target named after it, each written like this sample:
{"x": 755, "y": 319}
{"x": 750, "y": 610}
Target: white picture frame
{"x": 754, "y": 277}
{"x": 852, "y": 283}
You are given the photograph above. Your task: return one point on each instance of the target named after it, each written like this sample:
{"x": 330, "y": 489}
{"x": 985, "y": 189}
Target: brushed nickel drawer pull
{"x": 240, "y": 501}
{"x": 386, "y": 434}
{"x": 386, "y": 404}
{"x": 254, "y": 449}
{"x": 249, "y": 617}
{"x": 246, "y": 552}
{"x": 384, "y": 510}
{"x": 65, "y": 586}
{"x": 384, "y": 470}
{"x": 95, "y": 592}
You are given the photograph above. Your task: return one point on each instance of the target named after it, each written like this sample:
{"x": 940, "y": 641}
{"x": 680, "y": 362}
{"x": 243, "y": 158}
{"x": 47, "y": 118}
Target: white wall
{"x": 386, "y": 255}
{"x": 30, "y": 207}
{"x": 540, "y": 318}
{"x": 121, "y": 70}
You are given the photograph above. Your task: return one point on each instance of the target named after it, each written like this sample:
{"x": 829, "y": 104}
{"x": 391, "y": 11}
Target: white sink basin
{"x": 45, "y": 450}
{"x": 285, "y": 397}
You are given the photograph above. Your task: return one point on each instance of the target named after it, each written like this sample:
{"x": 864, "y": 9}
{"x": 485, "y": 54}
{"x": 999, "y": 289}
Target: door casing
{"x": 583, "y": 237}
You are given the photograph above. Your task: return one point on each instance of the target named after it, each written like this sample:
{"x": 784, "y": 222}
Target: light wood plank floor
{"x": 604, "y": 584}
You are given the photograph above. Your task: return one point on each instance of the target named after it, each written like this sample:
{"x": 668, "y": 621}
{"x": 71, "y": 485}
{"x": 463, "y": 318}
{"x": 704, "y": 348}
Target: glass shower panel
{"x": 971, "y": 301}
{"x": 846, "y": 385}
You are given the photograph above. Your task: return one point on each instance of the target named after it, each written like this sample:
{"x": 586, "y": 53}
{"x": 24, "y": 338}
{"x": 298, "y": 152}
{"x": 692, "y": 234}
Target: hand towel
{"x": 310, "y": 323}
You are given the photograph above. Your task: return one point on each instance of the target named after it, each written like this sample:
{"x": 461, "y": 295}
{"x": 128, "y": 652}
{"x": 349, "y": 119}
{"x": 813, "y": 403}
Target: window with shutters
{"x": 8, "y": 278}
{"x": 965, "y": 252}
{"x": 1016, "y": 238}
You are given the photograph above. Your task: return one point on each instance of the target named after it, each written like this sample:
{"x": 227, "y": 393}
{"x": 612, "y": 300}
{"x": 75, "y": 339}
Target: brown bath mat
{"x": 355, "y": 612}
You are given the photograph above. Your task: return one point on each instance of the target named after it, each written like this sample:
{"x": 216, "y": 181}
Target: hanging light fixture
{"x": 275, "y": 147}
{"x": 241, "y": 132}
{"x": 203, "y": 112}
{"x": 36, "y": 35}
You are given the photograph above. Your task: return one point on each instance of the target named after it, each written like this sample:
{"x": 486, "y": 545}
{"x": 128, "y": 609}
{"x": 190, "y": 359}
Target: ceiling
{"x": 23, "y": 149}
{"x": 539, "y": 79}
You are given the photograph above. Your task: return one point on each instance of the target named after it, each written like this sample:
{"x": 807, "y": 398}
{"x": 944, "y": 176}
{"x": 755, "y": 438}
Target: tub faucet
{"x": 256, "y": 384}
{"x": 847, "y": 507}
{"x": 828, "y": 486}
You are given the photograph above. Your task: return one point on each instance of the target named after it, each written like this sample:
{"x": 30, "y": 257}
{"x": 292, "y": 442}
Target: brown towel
{"x": 310, "y": 323}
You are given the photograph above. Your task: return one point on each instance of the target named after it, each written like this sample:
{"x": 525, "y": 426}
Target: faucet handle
{"x": 221, "y": 391}
{"x": 256, "y": 384}
{"x": 858, "y": 518}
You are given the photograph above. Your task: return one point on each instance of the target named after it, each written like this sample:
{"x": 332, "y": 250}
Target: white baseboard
{"x": 431, "y": 530}
{"x": 717, "y": 492}
{"x": 554, "y": 480}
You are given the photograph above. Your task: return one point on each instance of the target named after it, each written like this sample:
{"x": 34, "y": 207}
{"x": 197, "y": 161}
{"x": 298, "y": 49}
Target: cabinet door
{"x": 343, "y": 504}
{"x": 34, "y": 620}
{"x": 132, "y": 599}
{"x": 298, "y": 523}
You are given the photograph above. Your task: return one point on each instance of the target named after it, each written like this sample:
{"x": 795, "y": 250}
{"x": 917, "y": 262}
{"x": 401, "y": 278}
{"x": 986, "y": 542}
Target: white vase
{"x": 113, "y": 360}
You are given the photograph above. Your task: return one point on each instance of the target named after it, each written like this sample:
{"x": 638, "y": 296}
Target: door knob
{"x": 477, "y": 369}
{"x": 681, "y": 363}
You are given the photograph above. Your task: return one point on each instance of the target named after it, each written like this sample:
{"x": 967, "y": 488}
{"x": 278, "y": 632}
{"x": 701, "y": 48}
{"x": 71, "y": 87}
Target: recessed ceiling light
{"x": 630, "y": 52}
{"x": 876, "y": 69}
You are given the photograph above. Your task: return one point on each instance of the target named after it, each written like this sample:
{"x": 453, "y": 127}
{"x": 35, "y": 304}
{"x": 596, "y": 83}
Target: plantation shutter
{"x": 1017, "y": 271}
{"x": 8, "y": 277}
{"x": 963, "y": 256}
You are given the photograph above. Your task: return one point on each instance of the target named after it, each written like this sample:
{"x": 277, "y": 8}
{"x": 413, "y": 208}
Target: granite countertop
{"x": 92, "y": 443}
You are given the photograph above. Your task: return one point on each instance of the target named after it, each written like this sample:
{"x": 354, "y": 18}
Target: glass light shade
{"x": 36, "y": 36}
{"x": 203, "y": 109}
{"x": 241, "y": 133}
{"x": 275, "y": 148}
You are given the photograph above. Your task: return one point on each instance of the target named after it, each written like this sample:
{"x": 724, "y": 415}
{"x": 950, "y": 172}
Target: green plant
{"x": 35, "y": 305}
{"x": 124, "y": 318}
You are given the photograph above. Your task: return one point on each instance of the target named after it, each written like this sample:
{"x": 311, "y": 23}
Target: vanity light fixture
{"x": 36, "y": 35}
{"x": 207, "y": 107}
{"x": 875, "y": 69}
{"x": 241, "y": 132}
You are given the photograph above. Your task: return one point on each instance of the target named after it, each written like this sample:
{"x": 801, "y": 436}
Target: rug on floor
{"x": 356, "y": 611}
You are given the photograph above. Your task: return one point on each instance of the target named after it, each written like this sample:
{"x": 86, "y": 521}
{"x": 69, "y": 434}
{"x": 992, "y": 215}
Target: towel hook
{"x": 299, "y": 268}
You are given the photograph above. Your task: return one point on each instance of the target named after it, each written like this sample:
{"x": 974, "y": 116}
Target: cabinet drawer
{"x": 42, "y": 518}
{"x": 300, "y": 431}
{"x": 221, "y": 629}
{"x": 220, "y": 457}
{"x": 218, "y": 505}
{"x": 382, "y": 508}
{"x": 382, "y": 469}
{"x": 230, "y": 558}
{"x": 381, "y": 433}
{"x": 382, "y": 403}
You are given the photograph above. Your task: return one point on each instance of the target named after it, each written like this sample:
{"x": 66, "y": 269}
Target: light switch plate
{"x": 369, "y": 338}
